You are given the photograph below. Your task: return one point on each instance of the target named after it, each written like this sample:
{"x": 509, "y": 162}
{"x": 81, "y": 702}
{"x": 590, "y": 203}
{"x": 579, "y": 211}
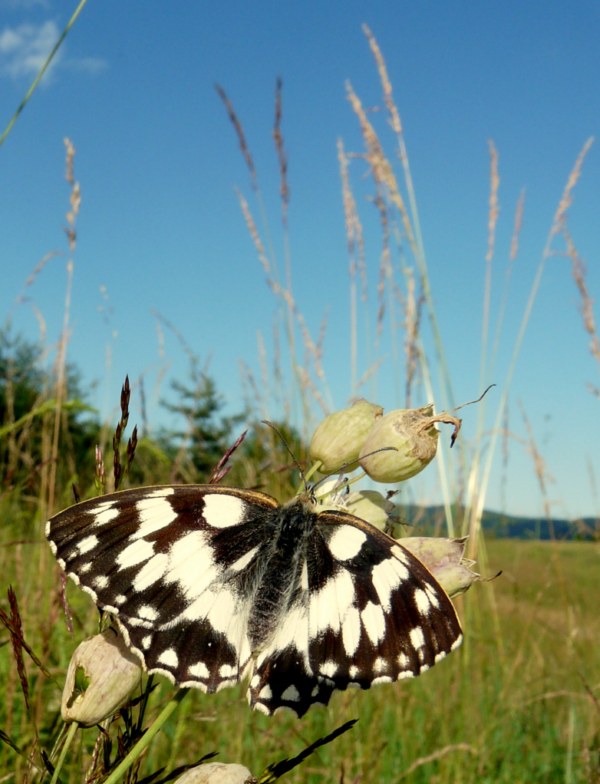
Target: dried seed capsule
{"x": 337, "y": 441}
{"x": 216, "y": 773}
{"x": 102, "y": 674}
{"x": 444, "y": 559}
{"x": 412, "y": 435}
{"x": 372, "y": 506}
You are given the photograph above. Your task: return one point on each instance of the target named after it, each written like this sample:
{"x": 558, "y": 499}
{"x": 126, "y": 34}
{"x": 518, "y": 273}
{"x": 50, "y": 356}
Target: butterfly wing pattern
{"x": 210, "y": 584}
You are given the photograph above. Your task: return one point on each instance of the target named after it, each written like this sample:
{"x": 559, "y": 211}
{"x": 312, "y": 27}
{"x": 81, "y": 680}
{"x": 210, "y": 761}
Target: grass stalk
{"x": 42, "y": 71}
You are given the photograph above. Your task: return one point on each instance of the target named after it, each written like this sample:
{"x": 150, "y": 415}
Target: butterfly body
{"x": 210, "y": 583}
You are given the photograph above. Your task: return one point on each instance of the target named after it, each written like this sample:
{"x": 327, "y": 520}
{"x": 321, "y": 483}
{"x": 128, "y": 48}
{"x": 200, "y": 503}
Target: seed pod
{"x": 444, "y": 559}
{"x": 337, "y": 441}
{"x": 409, "y": 440}
{"x": 372, "y": 506}
{"x": 216, "y": 773}
{"x": 102, "y": 674}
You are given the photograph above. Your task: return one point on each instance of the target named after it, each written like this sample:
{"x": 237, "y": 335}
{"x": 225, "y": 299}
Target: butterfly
{"x": 210, "y": 584}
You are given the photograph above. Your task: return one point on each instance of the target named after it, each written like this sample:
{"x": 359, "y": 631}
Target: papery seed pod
{"x": 337, "y": 441}
{"x": 216, "y": 773}
{"x": 102, "y": 674}
{"x": 408, "y": 439}
{"x": 372, "y": 506}
{"x": 444, "y": 559}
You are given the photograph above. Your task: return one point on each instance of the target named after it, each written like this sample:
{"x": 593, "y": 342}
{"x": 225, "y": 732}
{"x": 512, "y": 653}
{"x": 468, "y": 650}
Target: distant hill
{"x": 430, "y": 519}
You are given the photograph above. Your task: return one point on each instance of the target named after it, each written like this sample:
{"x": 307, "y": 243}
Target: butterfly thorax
{"x": 281, "y": 578}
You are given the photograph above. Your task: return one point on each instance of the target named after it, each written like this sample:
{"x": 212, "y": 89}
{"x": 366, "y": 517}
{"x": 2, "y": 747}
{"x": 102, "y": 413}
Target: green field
{"x": 517, "y": 703}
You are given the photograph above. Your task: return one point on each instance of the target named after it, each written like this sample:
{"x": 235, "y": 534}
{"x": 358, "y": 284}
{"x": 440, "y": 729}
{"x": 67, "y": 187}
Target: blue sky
{"x": 160, "y": 228}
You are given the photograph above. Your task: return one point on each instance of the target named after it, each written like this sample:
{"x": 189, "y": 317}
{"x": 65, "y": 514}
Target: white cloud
{"x": 24, "y": 49}
{"x": 23, "y": 5}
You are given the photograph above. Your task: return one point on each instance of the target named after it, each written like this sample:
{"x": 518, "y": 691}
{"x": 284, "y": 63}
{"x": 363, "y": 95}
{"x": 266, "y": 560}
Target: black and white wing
{"x": 174, "y": 565}
{"x": 368, "y": 611}
{"x": 208, "y": 583}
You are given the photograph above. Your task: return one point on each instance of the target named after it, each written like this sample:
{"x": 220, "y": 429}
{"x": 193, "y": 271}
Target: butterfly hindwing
{"x": 369, "y": 613}
{"x": 209, "y": 582}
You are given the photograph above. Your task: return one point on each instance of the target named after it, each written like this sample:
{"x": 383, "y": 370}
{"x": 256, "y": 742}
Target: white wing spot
{"x": 422, "y": 601}
{"x": 403, "y": 661}
{"x": 104, "y": 514}
{"x": 223, "y": 511}
{"x": 416, "y": 637}
{"x": 151, "y": 572}
{"x": 218, "y": 607}
{"x": 161, "y": 492}
{"x": 100, "y": 581}
{"x": 244, "y": 560}
{"x": 87, "y": 544}
{"x": 304, "y": 576}
{"x": 135, "y": 553}
{"x": 155, "y": 513}
{"x": 353, "y": 671}
{"x": 120, "y": 599}
{"x": 328, "y": 668}
{"x": 400, "y": 554}
{"x": 386, "y": 577}
{"x": 373, "y": 619}
{"x": 346, "y": 542}
{"x": 191, "y": 565}
{"x": 148, "y": 613}
{"x": 199, "y": 670}
{"x": 265, "y": 693}
{"x": 146, "y": 641}
{"x": 351, "y": 630}
{"x": 169, "y": 657}
{"x": 330, "y": 606}
{"x": 380, "y": 665}
{"x": 227, "y": 671}
{"x": 381, "y": 679}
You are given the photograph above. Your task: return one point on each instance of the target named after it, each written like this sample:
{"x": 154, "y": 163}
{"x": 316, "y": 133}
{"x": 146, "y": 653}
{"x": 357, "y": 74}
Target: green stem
{"x": 117, "y": 775}
{"x": 63, "y": 752}
{"x": 42, "y": 71}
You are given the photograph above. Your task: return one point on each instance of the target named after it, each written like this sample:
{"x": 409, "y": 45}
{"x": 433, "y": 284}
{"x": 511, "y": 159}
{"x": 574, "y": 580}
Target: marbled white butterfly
{"x": 211, "y": 583}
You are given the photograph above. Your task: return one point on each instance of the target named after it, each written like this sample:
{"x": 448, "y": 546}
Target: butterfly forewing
{"x": 174, "y": 564}
{"x": 209, "y": 582}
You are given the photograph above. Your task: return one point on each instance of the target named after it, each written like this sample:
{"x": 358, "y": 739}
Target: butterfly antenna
{"x": 281, "y": 437}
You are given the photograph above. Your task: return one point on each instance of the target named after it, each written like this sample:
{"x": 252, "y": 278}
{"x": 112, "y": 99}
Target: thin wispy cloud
{"x": 25, "y": 47}
{"x": 23, "y": 5}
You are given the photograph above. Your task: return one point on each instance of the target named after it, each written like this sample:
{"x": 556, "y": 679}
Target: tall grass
{"x": 518, "y": 703}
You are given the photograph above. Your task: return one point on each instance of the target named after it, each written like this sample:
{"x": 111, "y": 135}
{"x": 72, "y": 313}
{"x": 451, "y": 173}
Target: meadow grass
{"x": 517, "y": 703}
